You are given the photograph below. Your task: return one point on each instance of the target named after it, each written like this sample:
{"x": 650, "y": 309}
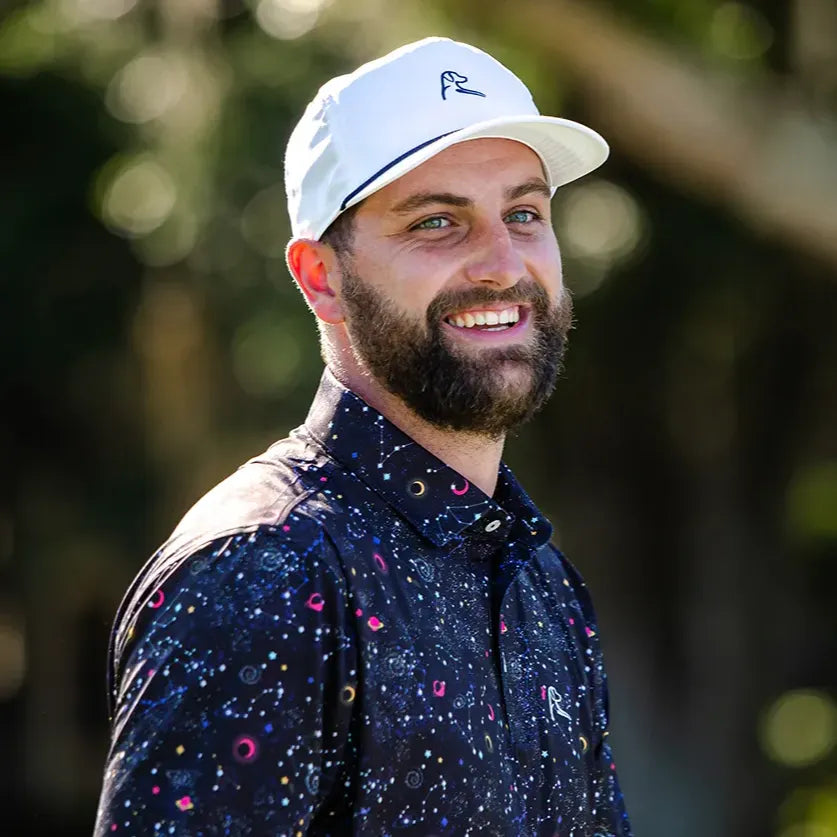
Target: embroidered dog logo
{"x": 451, "y": 80}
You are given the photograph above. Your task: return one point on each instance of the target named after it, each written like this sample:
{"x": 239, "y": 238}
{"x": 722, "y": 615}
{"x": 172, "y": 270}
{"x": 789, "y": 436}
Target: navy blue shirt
{"x": 345, "y": 637}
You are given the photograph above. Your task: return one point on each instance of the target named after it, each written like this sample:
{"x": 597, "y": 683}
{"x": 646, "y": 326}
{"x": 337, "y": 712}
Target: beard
{"x": 446, "y": 385}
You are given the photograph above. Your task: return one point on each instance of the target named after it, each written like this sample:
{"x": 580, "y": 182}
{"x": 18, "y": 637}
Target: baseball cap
{"x": 368, "y": 128}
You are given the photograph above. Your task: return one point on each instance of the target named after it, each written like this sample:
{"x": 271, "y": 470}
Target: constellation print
{"x": 372, "y": 642}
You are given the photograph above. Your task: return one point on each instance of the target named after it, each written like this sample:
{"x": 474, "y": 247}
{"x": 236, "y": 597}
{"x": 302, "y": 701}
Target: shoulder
{"x": 249, "y": 583}
{"x": 262, "y": 492}
{"x": 252, "y": 532}
{"x": 261, "y": 495}
{"x": 574, "y": 581}
{"x": 264, "y": 568}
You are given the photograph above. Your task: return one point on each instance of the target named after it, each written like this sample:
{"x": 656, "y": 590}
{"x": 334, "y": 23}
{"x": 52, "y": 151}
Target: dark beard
{"x": 451, "y": 390}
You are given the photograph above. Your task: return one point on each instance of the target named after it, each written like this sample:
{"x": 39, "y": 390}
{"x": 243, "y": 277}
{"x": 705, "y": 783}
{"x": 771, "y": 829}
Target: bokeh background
{"x": 151, "y": 340}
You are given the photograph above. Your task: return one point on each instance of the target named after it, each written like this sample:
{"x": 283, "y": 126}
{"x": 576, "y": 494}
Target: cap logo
{"x": 449, "y": 78}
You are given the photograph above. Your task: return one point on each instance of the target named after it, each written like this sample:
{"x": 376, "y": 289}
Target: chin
{"x": 512, "y": 375}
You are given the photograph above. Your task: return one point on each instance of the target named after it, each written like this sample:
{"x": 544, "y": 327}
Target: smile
{"x": 486, "y": 320}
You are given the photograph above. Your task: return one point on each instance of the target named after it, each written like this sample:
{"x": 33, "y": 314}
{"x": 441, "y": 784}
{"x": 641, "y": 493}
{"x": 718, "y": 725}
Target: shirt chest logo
{"x": 553, "y": 698}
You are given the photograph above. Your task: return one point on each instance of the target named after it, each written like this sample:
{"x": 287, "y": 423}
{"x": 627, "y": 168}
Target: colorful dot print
{"x": 345, "y": 637}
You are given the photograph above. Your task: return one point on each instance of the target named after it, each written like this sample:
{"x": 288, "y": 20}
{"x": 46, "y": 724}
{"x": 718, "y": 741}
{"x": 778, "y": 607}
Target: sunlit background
{"x": 152, "y": 341}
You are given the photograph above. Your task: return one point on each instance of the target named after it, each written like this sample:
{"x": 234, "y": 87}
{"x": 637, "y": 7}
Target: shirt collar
{"x": 434, "y": 498}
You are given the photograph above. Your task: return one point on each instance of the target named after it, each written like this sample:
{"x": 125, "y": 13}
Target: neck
{"x": 474, "y": 456}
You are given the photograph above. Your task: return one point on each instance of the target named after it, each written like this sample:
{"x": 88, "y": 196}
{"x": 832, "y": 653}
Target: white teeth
{"x": 508, "y": 316}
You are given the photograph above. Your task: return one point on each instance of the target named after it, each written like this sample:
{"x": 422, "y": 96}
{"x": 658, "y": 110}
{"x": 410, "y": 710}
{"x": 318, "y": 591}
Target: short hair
{"x": 340, "y": 233}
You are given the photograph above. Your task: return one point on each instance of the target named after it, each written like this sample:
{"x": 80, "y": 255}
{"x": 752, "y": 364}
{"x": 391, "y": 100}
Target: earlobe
{"x": 315, "y": 270}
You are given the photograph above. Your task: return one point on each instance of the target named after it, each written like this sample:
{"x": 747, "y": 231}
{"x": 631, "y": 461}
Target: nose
{"x": 496, "y": 261}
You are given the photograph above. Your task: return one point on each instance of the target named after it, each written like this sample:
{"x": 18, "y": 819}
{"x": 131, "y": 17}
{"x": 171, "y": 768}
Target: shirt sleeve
{"x": 235, "y": 694}
{"x": 608, "y": 810}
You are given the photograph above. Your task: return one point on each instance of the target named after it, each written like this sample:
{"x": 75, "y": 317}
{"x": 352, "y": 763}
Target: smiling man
{"x": 366, "y": 630}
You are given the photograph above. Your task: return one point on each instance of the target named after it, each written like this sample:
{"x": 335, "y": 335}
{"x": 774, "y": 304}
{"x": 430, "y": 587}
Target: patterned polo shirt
{"x": 345, "y": 637}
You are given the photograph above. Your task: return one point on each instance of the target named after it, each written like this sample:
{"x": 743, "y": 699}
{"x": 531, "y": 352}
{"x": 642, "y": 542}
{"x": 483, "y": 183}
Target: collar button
{"x": 492, "y": 526}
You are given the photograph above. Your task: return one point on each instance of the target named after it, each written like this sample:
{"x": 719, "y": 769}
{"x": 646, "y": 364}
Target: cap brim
{"x": 568, "y": 150}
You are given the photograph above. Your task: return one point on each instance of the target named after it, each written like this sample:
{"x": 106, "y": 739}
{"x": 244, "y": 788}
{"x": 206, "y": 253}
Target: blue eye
{"x": 437, "y": 222}
{"x": 522, "y": 216}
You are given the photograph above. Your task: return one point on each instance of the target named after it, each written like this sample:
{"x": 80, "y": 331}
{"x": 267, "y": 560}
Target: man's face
{"x": 453, "y": 294}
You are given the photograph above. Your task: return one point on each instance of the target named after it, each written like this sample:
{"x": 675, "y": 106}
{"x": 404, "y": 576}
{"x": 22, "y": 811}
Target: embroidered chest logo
{"x": 453, "y": 81}
{"x": 554, "y": 703}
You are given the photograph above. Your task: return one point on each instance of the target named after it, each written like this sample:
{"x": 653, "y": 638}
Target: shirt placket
{"x": 523, "y": 742}
{"x": 491, "y": 535}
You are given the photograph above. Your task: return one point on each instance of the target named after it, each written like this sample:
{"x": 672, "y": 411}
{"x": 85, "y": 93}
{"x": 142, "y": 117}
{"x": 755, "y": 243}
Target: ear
{"x": 316, "y": 270}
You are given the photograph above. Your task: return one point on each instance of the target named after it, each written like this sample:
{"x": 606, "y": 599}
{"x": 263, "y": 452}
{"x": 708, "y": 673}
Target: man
{"x": 365, "y": 630}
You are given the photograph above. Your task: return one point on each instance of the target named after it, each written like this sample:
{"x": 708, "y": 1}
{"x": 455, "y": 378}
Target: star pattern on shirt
{"x": 346, "y": 637}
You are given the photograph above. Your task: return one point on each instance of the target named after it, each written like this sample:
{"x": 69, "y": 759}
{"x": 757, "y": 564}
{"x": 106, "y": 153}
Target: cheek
{"x": 544, "y": 262}
{"x": 410, "y": 283}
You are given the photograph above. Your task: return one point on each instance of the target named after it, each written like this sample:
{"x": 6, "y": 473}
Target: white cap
{"x": 366, "y": 129}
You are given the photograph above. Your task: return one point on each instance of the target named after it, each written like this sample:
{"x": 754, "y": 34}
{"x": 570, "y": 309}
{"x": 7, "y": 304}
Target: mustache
{"x": 447, "y": 302}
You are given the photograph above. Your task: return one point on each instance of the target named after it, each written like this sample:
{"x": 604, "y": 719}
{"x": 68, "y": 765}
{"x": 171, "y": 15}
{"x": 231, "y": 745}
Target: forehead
{"x": 484, "y": 165}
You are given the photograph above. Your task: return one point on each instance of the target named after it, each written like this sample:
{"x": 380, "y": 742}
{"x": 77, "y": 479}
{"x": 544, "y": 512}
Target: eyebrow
{"x": 421, "y": 199}
{"x": 535, "y": 185}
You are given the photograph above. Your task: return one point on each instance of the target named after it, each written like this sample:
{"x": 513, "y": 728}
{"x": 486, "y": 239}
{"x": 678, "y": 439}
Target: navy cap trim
{"x": 390, "y": 165}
